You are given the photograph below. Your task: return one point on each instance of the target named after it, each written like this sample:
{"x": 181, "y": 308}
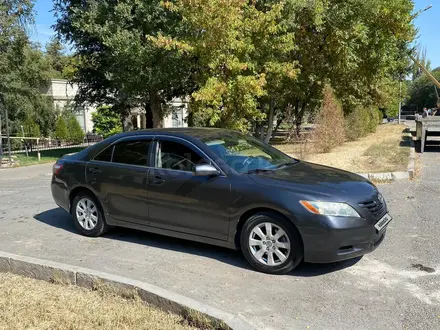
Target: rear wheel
{"x": 271, "y": 244}
{"x": 88, "y": 216}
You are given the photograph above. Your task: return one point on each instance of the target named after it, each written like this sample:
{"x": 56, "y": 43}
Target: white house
{"x": 63, "y": 93}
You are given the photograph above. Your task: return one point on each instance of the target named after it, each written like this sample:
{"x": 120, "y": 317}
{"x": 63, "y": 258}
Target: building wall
{"x": 178, "y": 114}
{"x": 64, "y": 93}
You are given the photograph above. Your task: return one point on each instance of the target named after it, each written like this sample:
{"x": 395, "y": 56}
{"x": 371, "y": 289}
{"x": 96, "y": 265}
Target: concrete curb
{"x": 393, "y": 176}
{"x": 71, "y": 275}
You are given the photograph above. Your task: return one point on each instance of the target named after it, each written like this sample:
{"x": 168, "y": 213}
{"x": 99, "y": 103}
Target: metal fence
{"x": 23, "y": 145}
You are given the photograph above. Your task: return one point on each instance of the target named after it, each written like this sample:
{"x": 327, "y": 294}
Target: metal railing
{"x": 27, "y": 145}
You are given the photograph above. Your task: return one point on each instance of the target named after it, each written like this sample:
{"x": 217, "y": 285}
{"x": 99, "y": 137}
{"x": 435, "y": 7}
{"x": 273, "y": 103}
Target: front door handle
{"x": 156, "y": 180}
{"x": 94, "y": 170}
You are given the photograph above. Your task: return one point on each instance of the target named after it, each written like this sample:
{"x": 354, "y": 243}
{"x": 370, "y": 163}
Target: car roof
{"x": 196, "y": 135}
{"x": 195, "y": 132}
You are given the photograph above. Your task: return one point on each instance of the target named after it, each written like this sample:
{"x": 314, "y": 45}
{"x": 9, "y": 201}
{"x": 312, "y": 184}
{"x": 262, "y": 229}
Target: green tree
{"x": 245, "y": 64}
{"x": 423, "y": 93}
{"x": 106, "y": 122}
{"x": 353, "y": 45}
{"x": 117, "y": 64}
{"x": 75, "y": 132}
{"x": 31, "y": 128}
{"x": 23, "y": 70}
{"x": 56, "y": 57}
{"x": 61, "y": 132}
{"x": 241, "y": 54}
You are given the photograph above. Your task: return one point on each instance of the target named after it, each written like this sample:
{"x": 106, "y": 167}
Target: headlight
{"x": 332, "y": 209}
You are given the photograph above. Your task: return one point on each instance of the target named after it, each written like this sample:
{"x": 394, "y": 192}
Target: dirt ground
{"x": 385, "y": 150}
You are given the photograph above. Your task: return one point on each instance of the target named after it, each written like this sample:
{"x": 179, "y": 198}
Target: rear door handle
{"x": 94, "y": 170}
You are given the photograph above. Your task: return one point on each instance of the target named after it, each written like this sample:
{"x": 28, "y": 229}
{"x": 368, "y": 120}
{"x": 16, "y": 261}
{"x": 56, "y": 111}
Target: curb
{"x": 393, "y": 176}
{"x": 71, "y": 275}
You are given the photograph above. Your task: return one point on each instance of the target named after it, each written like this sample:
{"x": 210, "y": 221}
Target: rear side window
{"x": 105, "y": 155}
{"x": 132, "y": 153}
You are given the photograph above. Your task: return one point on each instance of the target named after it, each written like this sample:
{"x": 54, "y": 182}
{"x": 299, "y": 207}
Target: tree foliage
{"x": 61, "y": 132}
{"x": 24, "y": 71}
{"x": 423, "y": 93}
{"x": 106, "y": 122}
{"x": 118, "y": 64}
{"x": 62, "y": 65}
{"x": 75, "y": 133}
{"x": 245, "y": 64}
{"x": 241, "y": 53}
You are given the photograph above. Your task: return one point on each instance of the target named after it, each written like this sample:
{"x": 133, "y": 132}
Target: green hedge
{"x": 361, "y": 122}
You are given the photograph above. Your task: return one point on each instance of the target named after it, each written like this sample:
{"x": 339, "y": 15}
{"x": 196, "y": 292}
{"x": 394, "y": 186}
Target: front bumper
{"x": 342, "y": 243}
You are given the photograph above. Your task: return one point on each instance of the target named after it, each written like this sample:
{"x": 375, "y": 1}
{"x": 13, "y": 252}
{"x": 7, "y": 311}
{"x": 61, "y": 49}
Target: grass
{"x": 47, "y": 156}
{"x": 32, "y": 304}
{"x": 383, "y": 151}
{"x": 389, "y": 155}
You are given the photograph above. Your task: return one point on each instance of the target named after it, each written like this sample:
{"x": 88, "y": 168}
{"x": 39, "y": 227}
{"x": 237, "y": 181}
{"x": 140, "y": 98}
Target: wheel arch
{"x": 77, "y": 190}
{"x": 246, "y": 215}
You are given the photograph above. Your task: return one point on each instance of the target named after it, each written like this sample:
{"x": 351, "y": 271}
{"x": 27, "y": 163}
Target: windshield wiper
{"x": 289, "y": 163}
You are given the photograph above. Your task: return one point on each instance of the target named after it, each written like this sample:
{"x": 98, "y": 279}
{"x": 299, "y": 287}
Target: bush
{"x": 75, "y": 134}
{"x": 31, "y": 128}
{"x": 106, "y": 122}
{"x": 61, "y": 129}
{"x": 361, "y": 122}
{"x": 329, "y": 124}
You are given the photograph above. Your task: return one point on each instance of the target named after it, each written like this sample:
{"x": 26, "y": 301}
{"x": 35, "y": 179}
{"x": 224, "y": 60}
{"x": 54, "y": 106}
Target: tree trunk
{"x": 156, "y": 107}
{"x": 148, "y": 115}
{"x": 279, "y": 122}
{"x": 270, "y": 121}
{"x": 259, "y": 131}
{"x": 299, "y": 118}
{"x": 298, "y": 123}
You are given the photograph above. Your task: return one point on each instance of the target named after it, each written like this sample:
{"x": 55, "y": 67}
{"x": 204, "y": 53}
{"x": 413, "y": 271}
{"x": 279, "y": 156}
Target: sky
{"x": 426, "y": 24}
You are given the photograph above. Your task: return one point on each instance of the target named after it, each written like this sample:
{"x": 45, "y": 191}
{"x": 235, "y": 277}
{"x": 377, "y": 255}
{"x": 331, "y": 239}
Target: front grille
{"x": 375, "y": 207}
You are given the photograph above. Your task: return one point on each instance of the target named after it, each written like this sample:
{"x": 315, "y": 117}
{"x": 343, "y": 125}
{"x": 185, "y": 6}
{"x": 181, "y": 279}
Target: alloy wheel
{"x": 87, "y": 214}
{"x": 269, "y": 244}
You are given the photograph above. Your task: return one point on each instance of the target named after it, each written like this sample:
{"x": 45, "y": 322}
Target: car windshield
{"x": 246, "y": 154}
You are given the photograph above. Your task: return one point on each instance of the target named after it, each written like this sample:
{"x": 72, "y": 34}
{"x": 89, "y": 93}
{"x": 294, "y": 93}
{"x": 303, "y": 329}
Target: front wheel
{"x": 271, "y": 244}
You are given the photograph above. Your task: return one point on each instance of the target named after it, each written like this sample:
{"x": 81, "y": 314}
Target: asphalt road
{"x": 396, "y": 287}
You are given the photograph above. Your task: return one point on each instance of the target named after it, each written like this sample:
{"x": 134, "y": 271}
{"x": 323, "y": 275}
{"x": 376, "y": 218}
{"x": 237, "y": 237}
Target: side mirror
{"x": 206, "y": 170}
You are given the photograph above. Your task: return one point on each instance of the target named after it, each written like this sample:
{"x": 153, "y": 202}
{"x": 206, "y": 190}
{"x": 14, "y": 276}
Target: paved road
{"x": 382, "y": 290}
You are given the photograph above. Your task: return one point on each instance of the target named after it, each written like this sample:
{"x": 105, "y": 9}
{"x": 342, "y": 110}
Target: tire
{"x": 260, "y": 259}
{"x": 94, "y": 225}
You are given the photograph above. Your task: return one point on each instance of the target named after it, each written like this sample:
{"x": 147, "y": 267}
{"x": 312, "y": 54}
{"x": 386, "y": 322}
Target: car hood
{"x": 316, "y": 179}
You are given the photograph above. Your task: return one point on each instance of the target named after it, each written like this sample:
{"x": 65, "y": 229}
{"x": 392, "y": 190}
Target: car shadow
{"x": 60, "y": 219}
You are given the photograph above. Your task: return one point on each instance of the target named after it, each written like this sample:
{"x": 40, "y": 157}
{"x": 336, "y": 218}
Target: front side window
{"x": 176, "y": 156}
{"x": 132, "y": 153}
{"x": 244, "y": 153}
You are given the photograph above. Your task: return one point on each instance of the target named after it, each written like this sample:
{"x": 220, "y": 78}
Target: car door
{"x": 119, "y": 175}
{"x": 181, "y": 201}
